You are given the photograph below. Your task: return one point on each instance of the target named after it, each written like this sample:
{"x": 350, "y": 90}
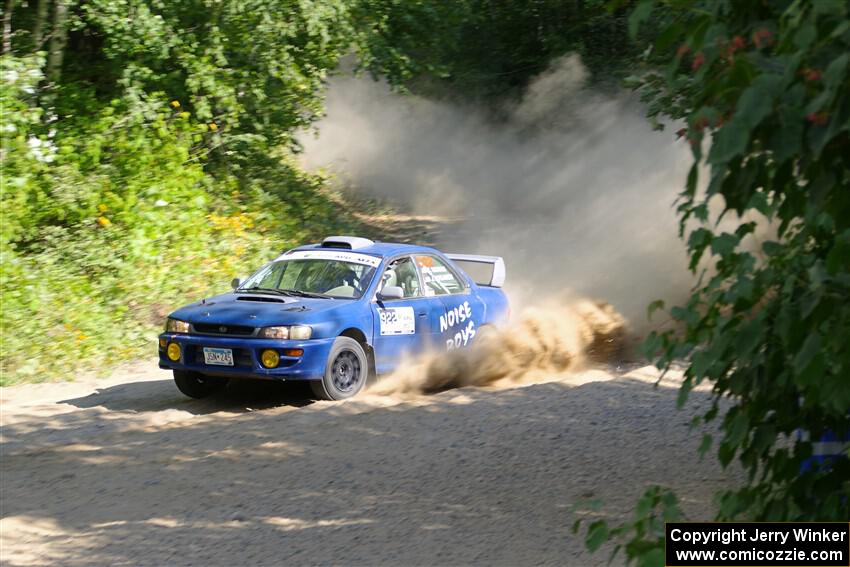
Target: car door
{"x": 402, "y": 327}
{"x": 462, "y": 311}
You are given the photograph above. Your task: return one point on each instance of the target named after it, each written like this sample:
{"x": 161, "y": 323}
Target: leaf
{"x": 838, "y": 257}
{"x": 759, "y": 202}
{"x": 684, "y": 391}
{"x": 645, "y": 504}
{"x": 652, "y": 558}
{"x": 813, "y": 374}
{"x": 820, "y": 135}
{"x": 689, "y": 316}
{"x": 749, "y": 337}
{"x": 705, "y": 445}
{"x": 653, "y": 307}
{"x": 836, "y": 70}
{"x": 597, "y": 534}
{"x": 724, "y": 244}
{"x": 805, "y": 35}
{"x": 817, "y": 274}
{"x": 818, "y": 103}
{"x": 808, "y": 303}
{"x": 669, "y": 500}
{"x": 772, "y": 248}
{"x": 840, "y": 29}
{"x": 737, "y": 430}
{"x": 698, "y": 241}
{"x": 651, "y": 345}
{"x": 810, "y": 348}
{"x": 576, "y": 526}
{"x": 764, "y": 438}
{"x": 725, "y": 453}
{"x": 756, "y": 102}
{"x": 693, "y": 177}
{"x": 729, "y": 142}
{"x": 668, "y": 36}
{"x": 831, "y": 7}
{"x": 639, "y": 15}
{"x": 700, "y": 363}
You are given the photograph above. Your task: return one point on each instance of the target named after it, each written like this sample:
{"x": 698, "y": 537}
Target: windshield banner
{"x": 338, "y": 255}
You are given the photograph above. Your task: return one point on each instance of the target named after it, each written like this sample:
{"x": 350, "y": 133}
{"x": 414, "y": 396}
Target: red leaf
{"x": 811, "y": 75}
{"x": 819, "y": 118}
{"x": 699, "y": 59}
{"x": 762, "y": 37}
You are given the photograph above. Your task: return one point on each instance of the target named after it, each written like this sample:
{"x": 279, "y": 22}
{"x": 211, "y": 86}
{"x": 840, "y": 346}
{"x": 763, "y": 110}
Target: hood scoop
{"x": 262, "y": 298}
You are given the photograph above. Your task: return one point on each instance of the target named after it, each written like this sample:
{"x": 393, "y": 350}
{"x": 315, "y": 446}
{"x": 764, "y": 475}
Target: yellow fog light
{"x": 270, "y": 358}
{"x": 173, "y": 352}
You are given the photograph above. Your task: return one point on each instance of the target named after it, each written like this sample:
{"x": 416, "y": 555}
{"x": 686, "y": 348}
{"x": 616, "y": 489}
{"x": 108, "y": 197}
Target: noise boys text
{"x": 455, "y": 317}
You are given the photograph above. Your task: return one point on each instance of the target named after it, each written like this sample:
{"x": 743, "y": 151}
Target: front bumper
{"x": 246, "y": 356}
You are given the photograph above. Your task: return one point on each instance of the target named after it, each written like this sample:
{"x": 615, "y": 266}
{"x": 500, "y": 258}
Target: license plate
{"x": 218, "y": 356}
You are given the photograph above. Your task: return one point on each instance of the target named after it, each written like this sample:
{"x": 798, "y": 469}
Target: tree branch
{"x": 57, "y": 42}
{"x": 38, "y": 27}
{"x": 7, "y": 27}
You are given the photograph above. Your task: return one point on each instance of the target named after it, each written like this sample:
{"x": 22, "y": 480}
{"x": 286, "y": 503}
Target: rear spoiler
{"x": 484, "y": 270}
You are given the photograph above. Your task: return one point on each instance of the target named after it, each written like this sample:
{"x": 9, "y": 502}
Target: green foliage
{"x": 763, "y": 90}
{"x": 146, "y": 162}
{"x": 642, "y": 538}
{"x": 404, "y": 40}
{"x": 253, "y": 68}
{"x": 108, "y": 224}
{"x": 491, "y": 49}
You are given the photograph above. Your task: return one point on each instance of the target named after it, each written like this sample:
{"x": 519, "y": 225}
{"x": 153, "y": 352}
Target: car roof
{"x": 380, "y": 249}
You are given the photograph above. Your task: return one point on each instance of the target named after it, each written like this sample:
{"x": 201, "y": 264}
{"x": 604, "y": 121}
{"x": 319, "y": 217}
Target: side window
{"x": 402, "y": 273}
{"x": 439, "y": 280}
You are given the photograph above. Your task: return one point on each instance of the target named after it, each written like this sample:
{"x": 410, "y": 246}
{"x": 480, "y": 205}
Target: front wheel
{"x": 345, "y": 373}
{"x": 197, "y": 385}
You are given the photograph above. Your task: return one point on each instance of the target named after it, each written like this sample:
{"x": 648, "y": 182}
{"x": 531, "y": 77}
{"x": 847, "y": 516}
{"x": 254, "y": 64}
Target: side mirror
{"x": 391, "y": 292}
{"x": 235, "y": 283}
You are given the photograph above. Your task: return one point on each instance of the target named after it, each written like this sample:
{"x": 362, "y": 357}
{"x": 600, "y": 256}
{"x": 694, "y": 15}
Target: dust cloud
{"x": 574, "y": 188}
{"x": 546, "y": 341}
{"x": 570, "y": 185}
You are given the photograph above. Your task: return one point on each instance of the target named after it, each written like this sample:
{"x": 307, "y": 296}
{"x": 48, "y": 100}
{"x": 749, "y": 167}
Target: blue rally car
{"x": 333, "y": 313}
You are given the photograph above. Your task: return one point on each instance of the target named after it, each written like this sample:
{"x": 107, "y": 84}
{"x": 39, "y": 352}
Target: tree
{"x": 764, "y": 91}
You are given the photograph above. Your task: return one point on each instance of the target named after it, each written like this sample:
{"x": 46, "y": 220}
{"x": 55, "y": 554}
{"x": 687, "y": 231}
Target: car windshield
{"x": 312, "y": 277}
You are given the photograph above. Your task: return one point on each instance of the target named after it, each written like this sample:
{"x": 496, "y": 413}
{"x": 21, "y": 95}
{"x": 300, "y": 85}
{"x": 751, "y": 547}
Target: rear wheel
{"x": 346, "y": 371}
{"x": 197, "y": 385}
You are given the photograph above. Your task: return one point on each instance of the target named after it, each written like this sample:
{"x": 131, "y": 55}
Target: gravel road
{"x": 126, "y": 471}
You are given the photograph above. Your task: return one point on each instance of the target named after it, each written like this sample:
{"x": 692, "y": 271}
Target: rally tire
{"x": 346, "y": 371}
{"x": 197, "y": 385}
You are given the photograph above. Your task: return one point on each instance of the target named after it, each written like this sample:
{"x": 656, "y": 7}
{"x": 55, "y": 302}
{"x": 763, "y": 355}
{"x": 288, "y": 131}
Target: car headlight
{"x": 294, "y": 332}
{"x": 176, "y": 326}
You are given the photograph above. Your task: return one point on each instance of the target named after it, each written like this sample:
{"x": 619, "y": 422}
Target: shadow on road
{"x": 156, "y": 395}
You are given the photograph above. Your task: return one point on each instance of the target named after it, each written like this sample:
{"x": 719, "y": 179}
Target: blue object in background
{"x": 825, "y": 451}
{"x": 333, "y": 313}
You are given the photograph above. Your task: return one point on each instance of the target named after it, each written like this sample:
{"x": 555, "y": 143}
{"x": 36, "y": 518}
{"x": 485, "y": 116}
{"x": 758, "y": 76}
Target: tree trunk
{"x": 38, "y": 28}
{"x": 57, "y": 42}
{"x": 7, "y": 27}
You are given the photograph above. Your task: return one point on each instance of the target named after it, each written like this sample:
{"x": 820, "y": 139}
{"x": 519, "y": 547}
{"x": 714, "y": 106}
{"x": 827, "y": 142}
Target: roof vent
{"x": 346, "y": 242}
